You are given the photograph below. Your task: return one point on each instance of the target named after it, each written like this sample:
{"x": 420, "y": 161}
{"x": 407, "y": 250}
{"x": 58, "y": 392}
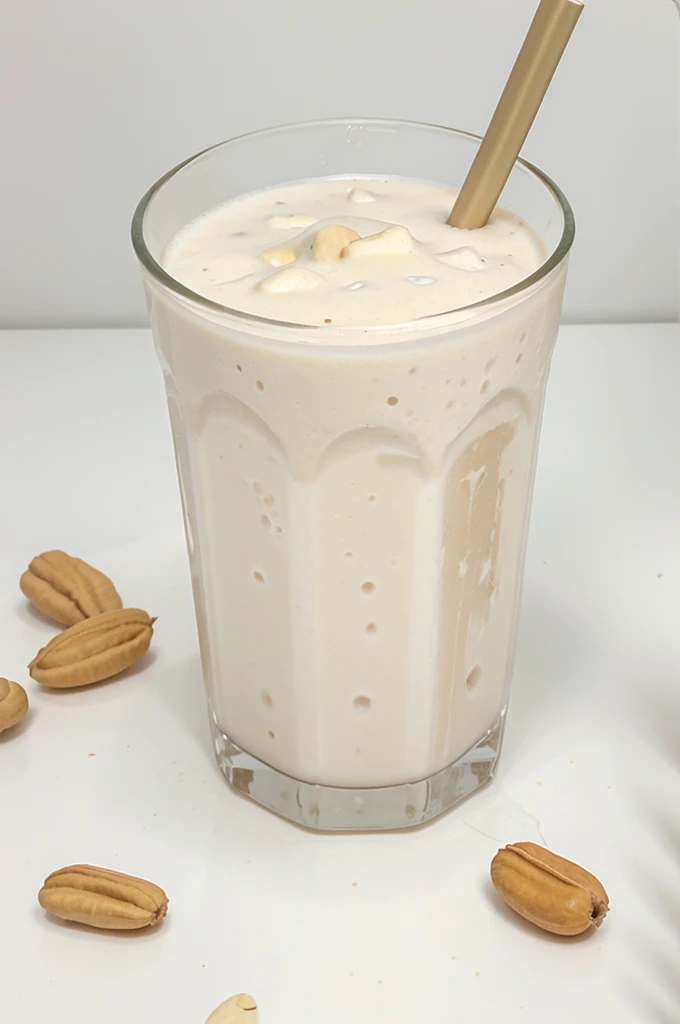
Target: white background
{"x": 122, "y": 774}
{"x": 99, "y": 99}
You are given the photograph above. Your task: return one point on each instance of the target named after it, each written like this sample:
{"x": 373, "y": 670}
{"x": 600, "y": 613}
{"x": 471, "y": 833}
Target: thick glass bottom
{"x": 331, "y": 809}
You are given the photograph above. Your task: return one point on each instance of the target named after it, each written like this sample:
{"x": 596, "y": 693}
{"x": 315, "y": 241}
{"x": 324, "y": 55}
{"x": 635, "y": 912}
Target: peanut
{"x": 13, "y": 704}
{"x": 551, "y": 892}
{"x": 68, "y": 589}
{"x": 93, "y": 650}
{"x": 102, "y": 898}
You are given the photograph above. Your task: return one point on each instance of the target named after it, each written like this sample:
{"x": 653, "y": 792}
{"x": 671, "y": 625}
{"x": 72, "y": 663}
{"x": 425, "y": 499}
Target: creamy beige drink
{"x": 356, "y": 391}
{"x": 367, "y": 514}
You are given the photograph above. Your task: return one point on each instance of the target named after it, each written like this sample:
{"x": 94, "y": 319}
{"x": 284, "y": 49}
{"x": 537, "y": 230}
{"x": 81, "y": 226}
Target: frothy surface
{"x": 418, "y": 265}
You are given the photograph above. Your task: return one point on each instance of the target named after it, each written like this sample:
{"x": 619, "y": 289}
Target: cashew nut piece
{"x": 240, "y": 1009}
{"x": 279, "y": 257}
{"x": 394, "y": 241}
{"x": 330, "y": 242}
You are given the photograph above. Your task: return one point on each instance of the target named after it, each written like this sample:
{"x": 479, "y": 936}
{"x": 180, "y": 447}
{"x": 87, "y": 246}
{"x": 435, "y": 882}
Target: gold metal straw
{"x": 536, "y": 64}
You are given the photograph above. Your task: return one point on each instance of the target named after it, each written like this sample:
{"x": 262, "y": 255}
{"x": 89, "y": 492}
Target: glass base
{"x": 333, "y": 809}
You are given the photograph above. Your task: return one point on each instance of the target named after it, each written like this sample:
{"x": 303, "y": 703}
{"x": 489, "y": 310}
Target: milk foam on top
{"x": 256, "y": 253}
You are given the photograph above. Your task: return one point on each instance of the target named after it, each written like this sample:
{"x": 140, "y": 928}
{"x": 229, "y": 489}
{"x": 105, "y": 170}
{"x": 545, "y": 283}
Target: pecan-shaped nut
{"x": 13, "y": 704}
{"x": 68, "y": 589}
{"x": 95, "y": 649}
{"x": 240, "y": 1009}
{"x": 551, "y": 892}
{"x": 102, "y": 898}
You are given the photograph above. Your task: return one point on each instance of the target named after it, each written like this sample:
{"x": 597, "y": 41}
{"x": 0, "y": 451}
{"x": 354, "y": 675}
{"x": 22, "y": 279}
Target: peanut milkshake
{"x": 356, "y": 451}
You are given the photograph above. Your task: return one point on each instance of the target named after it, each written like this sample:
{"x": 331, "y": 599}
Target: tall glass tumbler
{"x": 356, "y": 500}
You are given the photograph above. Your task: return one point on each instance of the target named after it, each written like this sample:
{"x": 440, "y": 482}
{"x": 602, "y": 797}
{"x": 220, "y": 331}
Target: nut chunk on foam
{"x": 330, "y": 242}
{"x": 360, "y": 195}
{"x": 465, "y": 258}
{"x": 394, "y": 241}
{"x": 279, "y": 257}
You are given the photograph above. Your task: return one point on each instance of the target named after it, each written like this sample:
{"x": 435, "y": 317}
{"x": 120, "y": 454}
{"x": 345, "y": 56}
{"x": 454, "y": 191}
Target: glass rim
{"x": 426, "y": 323}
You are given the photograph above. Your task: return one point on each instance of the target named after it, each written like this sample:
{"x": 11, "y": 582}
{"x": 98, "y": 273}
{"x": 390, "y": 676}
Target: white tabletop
{"x": 122, "y": 774}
